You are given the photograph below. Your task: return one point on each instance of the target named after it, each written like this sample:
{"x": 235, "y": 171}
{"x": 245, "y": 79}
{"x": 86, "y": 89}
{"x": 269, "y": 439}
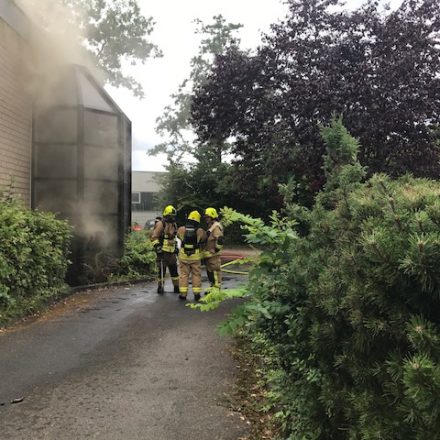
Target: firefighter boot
{"x": 210, "y": 277}
{"x": 160, "y": 288}
{"x": 211, "y": 281}
{"x": 176, "y": 289}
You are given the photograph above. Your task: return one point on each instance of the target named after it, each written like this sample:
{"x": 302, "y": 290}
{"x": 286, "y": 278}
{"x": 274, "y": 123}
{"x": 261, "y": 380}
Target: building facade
{"x": 65, "y": 145}
{"x": 15, "y": 103}
{"x": 145, "y": 193}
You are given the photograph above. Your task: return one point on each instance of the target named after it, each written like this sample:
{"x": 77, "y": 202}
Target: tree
{"x": 175, "y": 125}
{"x": 117, "y": 32}
{"x": 113, "y": 32}
{"x": 379, "y": 70}
{"x": 347, "y": 309}
{"x": 197, "y": 174}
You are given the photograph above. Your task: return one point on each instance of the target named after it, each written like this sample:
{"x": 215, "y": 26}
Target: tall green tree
{"x": 114, "y": 33}
{"x": 175, "y": 125}
{"x": 197, "y": 175}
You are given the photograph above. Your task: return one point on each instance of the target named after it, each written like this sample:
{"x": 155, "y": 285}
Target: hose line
{"x": 237, "y": 272}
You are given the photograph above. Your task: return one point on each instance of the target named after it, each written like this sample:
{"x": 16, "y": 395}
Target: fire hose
{"x": 232, "y": 262}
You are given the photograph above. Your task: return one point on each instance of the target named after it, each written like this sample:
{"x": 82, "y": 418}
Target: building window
{"x": 136, "y": 198}
{"x": 144, "y": 201}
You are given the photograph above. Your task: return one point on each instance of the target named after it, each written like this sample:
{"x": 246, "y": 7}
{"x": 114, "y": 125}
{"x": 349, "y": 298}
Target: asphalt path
{"x": 119, "y": 363}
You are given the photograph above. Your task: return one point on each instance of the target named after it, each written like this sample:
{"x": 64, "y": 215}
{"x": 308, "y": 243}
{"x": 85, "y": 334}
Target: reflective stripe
{"x": 169, "y": 246}
{"x": 207, "y": 254}
{"x": 175, "y": 278}
{"x": 169, "y": 243}
{"x": 194, "y": 257}
{"x": 197, "y": 289}
{"x": 216, "y": 279}
{"x": 166, "y": 238}
{"x": 184, "y": 290}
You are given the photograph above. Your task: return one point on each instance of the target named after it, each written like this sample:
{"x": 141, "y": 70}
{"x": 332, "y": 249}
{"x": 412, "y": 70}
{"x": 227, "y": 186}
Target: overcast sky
{"x": 174, "y": 34}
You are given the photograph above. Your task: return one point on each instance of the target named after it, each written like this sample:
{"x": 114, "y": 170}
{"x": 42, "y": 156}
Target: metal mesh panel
{"x": 90, "y": 96}
{"x": 101, "y": 163}
{"x": 81, "y": 165}
{"x": 55, "y": 161}
{"x": 56, "y": 125}
{"x": 101, "y": 197}
{"x": 56, "y": 195}
{"x": 101, "y": 129}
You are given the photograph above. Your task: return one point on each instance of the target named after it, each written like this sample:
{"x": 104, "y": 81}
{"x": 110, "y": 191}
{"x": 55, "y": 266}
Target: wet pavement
{"x": 119, "y": 363}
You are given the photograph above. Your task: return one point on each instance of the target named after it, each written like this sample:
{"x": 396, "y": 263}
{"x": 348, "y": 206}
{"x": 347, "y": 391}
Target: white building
{"x": 145, "y": 192}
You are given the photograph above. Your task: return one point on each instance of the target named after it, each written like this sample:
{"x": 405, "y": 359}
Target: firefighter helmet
{"x": 169, "y": 210}
{"x": 211, "y": 212}
{"x": 194, "y": 215}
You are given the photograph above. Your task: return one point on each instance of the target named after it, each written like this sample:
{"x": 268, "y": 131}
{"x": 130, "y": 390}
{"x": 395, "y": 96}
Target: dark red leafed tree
{"x": 380, "y": 69}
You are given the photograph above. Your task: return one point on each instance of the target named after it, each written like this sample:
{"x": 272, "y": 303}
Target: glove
{"x": 158, "y": 249}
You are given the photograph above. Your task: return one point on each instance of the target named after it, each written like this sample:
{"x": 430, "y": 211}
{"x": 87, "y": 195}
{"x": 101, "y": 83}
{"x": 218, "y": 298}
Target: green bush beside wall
{"x": 34, "y": 248}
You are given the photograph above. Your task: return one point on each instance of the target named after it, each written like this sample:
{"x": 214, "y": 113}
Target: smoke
{"x": 57, "y": 41}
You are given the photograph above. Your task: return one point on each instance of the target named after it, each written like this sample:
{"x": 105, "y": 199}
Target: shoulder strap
{"x": 172, "y": 229}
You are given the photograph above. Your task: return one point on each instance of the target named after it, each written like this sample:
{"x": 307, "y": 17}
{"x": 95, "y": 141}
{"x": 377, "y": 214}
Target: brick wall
{"x": 15, "y": 115}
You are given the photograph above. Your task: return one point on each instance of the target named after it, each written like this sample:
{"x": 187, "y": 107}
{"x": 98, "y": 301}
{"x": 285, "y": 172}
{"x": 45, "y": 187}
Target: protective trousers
{"x": 189, "y": 269}
{"x": 168, "y": 260}
{"x": 213, "y": 270}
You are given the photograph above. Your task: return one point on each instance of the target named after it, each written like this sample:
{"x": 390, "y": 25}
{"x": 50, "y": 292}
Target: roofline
{"x": 100, "y": 88}
{"x": 14, "y": 16}
{"x": 151, "y": 172}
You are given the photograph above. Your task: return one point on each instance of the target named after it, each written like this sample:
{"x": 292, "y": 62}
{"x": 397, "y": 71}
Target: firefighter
{"x": 191, "y": 236}
{"x": 163, "y": 238}
{"x": 213, "y": 247}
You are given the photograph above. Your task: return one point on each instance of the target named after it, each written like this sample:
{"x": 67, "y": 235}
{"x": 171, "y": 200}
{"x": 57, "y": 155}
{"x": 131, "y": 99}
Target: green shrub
{"x": 139, "y": 258}
{"x": 34, "y": 247}
{"x": 352, "y": 305}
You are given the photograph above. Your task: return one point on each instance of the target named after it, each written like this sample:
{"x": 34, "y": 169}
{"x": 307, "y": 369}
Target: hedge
{"x": 34, "y": 248}
{"x": 347, "y": 297}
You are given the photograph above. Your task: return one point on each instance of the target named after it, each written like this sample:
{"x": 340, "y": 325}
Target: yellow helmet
{"x": 194, "y": 215}
{"x": 211, "y": 212}
{"x": 169, "y": 210}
